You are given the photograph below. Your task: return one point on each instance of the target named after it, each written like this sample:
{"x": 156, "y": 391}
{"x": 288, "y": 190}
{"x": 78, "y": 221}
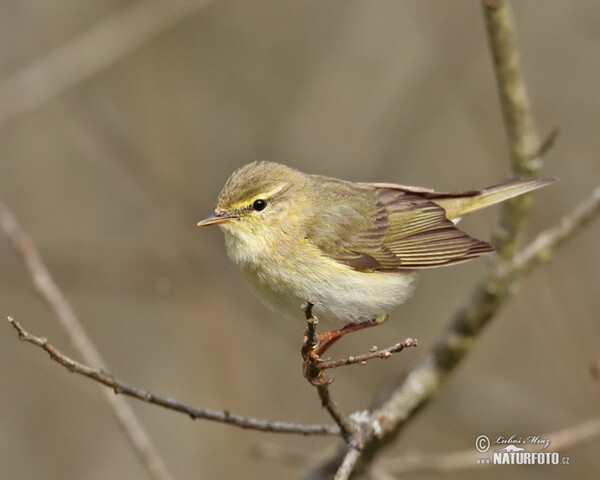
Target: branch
{"x": 348, "y": 463}
{"x": 523, "y": 140}
{"x": 546, "y": 243}
{"x": 49, "y": 291}
{"x": 88, "y": 54}
{"x": 364, "y": 358}
{"x": 313, "y": 368}
{"x": 345, "y": 425}
{"x": 315, "y": 375}
{"x": 120, "y": 387}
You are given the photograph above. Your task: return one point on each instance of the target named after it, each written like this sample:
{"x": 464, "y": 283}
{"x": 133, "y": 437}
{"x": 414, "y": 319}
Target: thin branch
{"x": 362, "y": 359}
{"x": 523, "y": 140}
{"x": 545, "y": 244}
{"x": 345, "y": 425}
{"x": 88, "y": 54}
{"x": 450, "y": 462}
{"x": 548, "y": 144}
{"x": 120, "y": 387}
{"x": 49, "y": 291}
{"x": 315, "y": 375}
{"x": 348, "y": 464}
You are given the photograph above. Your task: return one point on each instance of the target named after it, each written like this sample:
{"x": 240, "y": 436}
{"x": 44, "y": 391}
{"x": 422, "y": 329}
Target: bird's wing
{"x": 403, "y": 230}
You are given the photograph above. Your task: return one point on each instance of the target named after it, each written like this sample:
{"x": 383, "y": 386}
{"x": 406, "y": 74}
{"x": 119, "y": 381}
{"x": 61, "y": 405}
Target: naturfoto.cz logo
{"x": 512, "y": 453}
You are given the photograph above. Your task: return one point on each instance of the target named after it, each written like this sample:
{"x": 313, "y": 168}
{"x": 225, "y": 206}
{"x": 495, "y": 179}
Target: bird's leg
{"x": 315, "y": 344}
{"x": 327, "y": 339}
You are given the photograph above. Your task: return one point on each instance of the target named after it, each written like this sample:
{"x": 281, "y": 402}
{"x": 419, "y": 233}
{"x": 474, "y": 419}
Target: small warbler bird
{"x": 351, "y": 249}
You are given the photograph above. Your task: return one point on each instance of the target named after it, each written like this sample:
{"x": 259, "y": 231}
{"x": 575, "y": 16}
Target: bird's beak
{"x": 217, "y": 219}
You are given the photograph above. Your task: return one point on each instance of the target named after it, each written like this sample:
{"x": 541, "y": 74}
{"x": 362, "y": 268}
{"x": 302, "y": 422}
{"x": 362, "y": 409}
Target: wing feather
{"x": 407, "y": 231}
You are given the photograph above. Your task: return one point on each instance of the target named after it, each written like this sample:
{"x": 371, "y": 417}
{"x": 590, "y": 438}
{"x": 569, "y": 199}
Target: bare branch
{"x": 90, "y": 53}
{"x": 348, "y": 463}
{"x": 120, "y": 387}
{"x": 345, "y": 425}
{"x": 315, "y": 375}
{"x": 545, "y": 244}
{"x": 547, "y": 144}
{"x": 523, "y": 140}
{"x": 49, "y": 291}
{"x": 362, "y": 359}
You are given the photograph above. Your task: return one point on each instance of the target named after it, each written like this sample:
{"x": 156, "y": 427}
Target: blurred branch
{"x": 348, "y": 463}
{"x": 119, "y": 387}
{"x": 424, "y": 379}
{"x": 545, "y": 244}
{"x": 49, "y": 291}
{"x": 88, "y": 54}
{"x": 523, "y": 141}
{"x": 463, "y": 460}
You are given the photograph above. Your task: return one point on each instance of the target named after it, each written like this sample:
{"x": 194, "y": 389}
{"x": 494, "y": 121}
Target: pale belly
{"x": 356, "y": 297}
{"x": 286, "y": 280}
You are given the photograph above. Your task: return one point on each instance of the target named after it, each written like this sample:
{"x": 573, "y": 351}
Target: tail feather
{"x": 459, "y": 204}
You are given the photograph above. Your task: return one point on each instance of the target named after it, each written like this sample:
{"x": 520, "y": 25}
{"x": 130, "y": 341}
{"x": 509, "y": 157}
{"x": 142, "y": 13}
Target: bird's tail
{"x": 459, "y": 204}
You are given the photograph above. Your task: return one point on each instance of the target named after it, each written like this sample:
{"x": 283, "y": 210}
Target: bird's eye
{"x": 259, "y": 204}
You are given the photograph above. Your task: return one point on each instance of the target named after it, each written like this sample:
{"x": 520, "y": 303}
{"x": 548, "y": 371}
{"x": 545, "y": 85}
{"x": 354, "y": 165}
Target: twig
{"x": 543, "y": 246}
{"x": 450, "y": 462}
{"x": 49, "y": 291}
{"x": 120, "y": 387}
{"x": 362, "y": 359}
{"x": 348, "y": 464}
{"x": 315, "y": 374}
{"x": 345, "y": 425}
{"x": 547, "y": 144}
{"x": 310, "y": 364}
{"x": 311, "y": 325}
{"x": 88, "y": 54}
{"x": 523, "y": 140}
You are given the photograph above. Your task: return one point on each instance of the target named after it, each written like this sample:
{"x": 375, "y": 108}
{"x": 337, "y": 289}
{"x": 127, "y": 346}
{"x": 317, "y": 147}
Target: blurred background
{"x": 119, "y": 123}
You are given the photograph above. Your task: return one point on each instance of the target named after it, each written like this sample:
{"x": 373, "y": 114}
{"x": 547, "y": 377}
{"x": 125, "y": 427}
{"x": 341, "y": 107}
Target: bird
{"x": 350, "y": 249}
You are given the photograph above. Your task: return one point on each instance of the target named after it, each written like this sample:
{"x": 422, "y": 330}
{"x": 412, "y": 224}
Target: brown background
{"x": 111, "y": 174}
